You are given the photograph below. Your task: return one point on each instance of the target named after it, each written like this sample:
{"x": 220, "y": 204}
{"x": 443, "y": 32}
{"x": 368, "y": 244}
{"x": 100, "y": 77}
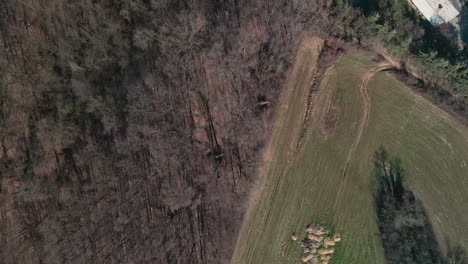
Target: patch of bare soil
{"x": 332, "y": 50}
{"x": 331, "y": 117}
{"x": 307, "y": 113}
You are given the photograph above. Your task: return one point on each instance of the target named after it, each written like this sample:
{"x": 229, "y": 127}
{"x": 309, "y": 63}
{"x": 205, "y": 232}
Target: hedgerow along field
{"x": 309, "y": 185}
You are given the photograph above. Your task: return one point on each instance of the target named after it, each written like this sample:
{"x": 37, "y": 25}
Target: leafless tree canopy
{"x": 130, "y": 130}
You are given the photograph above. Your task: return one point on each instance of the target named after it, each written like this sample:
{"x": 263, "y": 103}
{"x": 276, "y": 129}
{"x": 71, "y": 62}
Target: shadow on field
{"x": 405, "y": 230}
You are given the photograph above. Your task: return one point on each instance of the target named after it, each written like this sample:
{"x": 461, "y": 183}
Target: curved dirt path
{"x": 365, "y": 120}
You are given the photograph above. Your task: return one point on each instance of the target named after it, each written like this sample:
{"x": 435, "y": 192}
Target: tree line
{"x": 398, "y": 27}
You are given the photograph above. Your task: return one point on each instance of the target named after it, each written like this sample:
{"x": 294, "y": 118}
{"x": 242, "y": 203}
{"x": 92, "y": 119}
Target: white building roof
{"x": 438, "y": 11}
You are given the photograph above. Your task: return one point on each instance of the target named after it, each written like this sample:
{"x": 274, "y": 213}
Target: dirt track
{"x": 365, "y": 119}
{"x": 283, "y": 144}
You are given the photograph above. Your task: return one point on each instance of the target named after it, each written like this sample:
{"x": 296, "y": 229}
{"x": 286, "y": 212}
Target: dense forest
{"x": 131, "y": 130}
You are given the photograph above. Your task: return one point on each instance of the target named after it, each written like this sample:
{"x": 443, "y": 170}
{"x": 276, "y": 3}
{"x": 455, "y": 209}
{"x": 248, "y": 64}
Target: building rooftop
{"x": 438, "y": 11}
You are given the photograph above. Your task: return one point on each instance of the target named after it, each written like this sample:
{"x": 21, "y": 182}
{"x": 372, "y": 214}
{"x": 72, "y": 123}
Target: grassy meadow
{"x": 308, "y": 185}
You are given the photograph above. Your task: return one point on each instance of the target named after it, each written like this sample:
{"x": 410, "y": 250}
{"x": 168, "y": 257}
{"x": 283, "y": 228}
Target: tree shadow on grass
{"x": 405, "y": 230}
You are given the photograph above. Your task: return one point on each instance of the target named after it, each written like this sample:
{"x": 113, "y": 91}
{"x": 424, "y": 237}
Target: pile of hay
{"x": 318, "y": 244}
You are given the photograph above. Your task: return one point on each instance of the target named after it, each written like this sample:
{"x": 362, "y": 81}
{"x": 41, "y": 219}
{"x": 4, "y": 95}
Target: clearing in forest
{"x": 329, "y": 179}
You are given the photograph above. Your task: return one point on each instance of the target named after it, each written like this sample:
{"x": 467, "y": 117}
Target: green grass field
{"x": 303, "y": 187}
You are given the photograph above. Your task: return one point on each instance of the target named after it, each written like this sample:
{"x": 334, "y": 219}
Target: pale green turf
{"x": 433, "y": 152}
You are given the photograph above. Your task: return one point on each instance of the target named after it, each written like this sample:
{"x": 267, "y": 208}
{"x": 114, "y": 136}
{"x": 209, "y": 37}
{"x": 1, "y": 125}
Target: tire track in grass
{"x": 362, "y": 127}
